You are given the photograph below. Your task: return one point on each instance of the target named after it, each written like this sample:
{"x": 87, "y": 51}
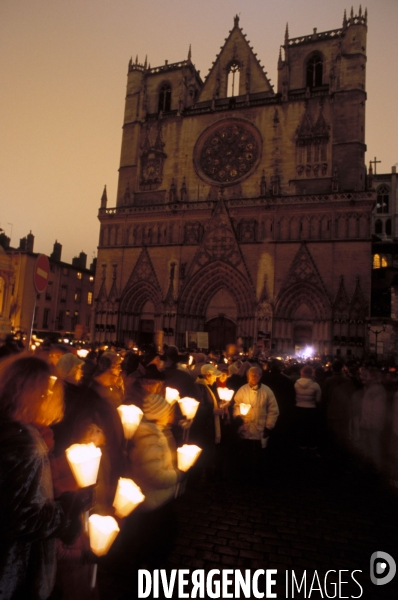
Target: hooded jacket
{"x": 308, "y": 393}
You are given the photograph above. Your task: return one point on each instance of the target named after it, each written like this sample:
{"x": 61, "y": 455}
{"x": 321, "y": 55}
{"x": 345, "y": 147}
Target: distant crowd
{"x": 342, "y": 413}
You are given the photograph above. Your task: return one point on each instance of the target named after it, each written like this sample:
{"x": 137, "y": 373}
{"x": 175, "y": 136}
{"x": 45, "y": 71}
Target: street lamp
{"x": 376, "y": 332}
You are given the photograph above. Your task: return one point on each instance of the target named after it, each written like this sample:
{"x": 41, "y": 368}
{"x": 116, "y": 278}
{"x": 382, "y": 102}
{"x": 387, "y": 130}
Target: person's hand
{"x": 185, "y": 423}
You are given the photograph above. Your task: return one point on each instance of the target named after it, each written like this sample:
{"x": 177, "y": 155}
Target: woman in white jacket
{"x": 308, "y": 397}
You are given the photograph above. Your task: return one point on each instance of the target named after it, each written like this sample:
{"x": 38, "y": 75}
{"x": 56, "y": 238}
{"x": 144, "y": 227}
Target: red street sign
{"x": 41, "y": 273}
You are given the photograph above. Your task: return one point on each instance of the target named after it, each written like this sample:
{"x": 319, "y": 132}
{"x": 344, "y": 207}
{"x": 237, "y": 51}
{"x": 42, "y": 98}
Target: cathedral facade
{"x": 243, "y": 211}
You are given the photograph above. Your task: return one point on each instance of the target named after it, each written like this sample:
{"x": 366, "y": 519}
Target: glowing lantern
{"x": 84, "y": 460}
{"x": 244, "y": 408}
{"x": 82, "y": 352}
{"x": 187, "y": 455}
{"x": 130, "y": 416}
{"x": 128, "y": 497}
{"x": 172, "y": 395}
{"x": 188, "y": 406}
{"x": 225, "y": 394}
{"x": 102, "y": 531}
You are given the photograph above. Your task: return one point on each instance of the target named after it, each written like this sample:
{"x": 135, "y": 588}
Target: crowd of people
{"x": 339, "y": 413}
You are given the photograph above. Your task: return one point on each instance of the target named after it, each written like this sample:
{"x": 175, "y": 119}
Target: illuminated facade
{"x": 243, "y": 211}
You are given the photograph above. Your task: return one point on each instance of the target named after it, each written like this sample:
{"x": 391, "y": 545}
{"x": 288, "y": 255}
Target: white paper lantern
{"x": 128, "y": 496}
{"x": 189, "y": 407}
{"x": 84, "y": 460}
{"x": 225, "y": 394}
{"x": 130, "y": 416}
{"x": 187, "y": 455}
{"x": 244, "y": 408}
{"x": 102, "y": 532}
{"x": 172, "y": 395}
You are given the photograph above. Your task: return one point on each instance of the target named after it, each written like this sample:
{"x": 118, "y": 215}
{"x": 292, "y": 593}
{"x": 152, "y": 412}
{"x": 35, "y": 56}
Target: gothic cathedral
{"x": 243, "y": 211}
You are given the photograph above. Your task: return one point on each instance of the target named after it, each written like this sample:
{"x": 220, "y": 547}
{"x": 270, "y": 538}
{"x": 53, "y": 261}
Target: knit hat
{"x": 155, "y": 407}
{"x": 66, "y": 364}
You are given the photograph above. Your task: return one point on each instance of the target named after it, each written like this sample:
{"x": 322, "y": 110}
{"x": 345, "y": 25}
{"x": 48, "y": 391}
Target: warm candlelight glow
{"x": 244, "y": 408}
{"x": 82, "y": 352}
{"x": 130, "y": 416}
{"x": 172, "y": 395}
{"x": 128, "y": 497}
{"x": 84, "y": 460}
{"x": 102, "y": 532}
{"x": 187, "y": 456}
{"x": 188, "y": 406}
{"x": 225, "y": 394}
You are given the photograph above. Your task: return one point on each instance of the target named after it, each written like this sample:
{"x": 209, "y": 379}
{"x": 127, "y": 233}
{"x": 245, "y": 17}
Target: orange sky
{"x": 63, "y": 78}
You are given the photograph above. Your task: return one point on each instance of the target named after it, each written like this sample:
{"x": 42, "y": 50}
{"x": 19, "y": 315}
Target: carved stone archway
{"x": 203, "y": 286}
{"x": 302, "y": 317}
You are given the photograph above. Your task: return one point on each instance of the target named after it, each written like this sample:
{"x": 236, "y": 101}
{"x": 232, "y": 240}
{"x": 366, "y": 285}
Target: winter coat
{"x": 152, "y": 463}
{"x": 29, "y": 518}
{"x": 263, "y": 413}
{"x": 308, "y": 393}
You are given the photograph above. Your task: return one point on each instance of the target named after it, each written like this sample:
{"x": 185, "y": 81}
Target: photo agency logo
{"x": 382, "y": 568}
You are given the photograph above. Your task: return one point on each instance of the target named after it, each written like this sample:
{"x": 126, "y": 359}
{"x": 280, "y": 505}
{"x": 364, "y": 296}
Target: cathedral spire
{"x": 189, "y": 52}
{"x": 345, "y": 19}
{"x": 287, "y": 34}
{"x": 104, "y": 198}
{"x": 146, "y": 62}
{"x": 236, "y": 21}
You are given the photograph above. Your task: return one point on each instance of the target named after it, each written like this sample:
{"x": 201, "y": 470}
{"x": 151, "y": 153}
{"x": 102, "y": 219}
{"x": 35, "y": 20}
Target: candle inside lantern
{"x": 187, "y": 456}
{"x": 130, "y": 416}
{"x": 84, "y": 460}
{"x": 172, "y": 395}
{"x": 225, "y": 394}
{"x": 244, "y": 408}
{"x": 102, "y": 532}
{"x": 188, "y": 406}
{"x": 128, "y": 497}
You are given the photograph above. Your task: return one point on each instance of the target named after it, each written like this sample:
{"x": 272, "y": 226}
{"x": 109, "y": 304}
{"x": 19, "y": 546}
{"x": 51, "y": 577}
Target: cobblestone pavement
{"x": 306, "y": 517}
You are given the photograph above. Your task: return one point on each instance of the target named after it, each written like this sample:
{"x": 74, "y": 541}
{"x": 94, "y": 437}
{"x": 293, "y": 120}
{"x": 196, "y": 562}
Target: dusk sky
{"x": 63, "y": 80}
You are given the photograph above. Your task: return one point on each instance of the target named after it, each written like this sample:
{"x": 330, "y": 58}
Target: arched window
{"x": 383, "y": 199}
{"x": 376, "y": 261}
{"x": 378, "y": 227}
{"x": 165, "y": 98}
{"x": 388, "y": 227}
{"x": 314, "y": 72}
{"x": 233, "y": 80}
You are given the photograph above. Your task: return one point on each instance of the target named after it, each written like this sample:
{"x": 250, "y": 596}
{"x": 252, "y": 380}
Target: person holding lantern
{"x": 30, "y": 519}
{"x": 147, "y": 534}
{"x": 256, "y": 406}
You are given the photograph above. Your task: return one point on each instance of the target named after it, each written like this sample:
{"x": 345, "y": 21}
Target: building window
{"x": 165, "y": 98}
{"x": 383, "y": 199}
{"x": 65, "y": 271}
{"x": 49, "y": 290}
{"x": 46, "y": 316}
{"x": 88, "y": 318}
{"x": 314, "y": 71}
{"x": 378, "y": 227}
{"x": 78, "y": 295}
{"x": 64, "y": 291}
{"x": 79, "y": 275}
{"x": 388, "y": 227}
{"x": 75, "y": 319}
{"x": 233, "y": 80}
{"x": 379, "y": 261}
{"x": 61, "y": 316}
{"x": 90, "y": 298}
